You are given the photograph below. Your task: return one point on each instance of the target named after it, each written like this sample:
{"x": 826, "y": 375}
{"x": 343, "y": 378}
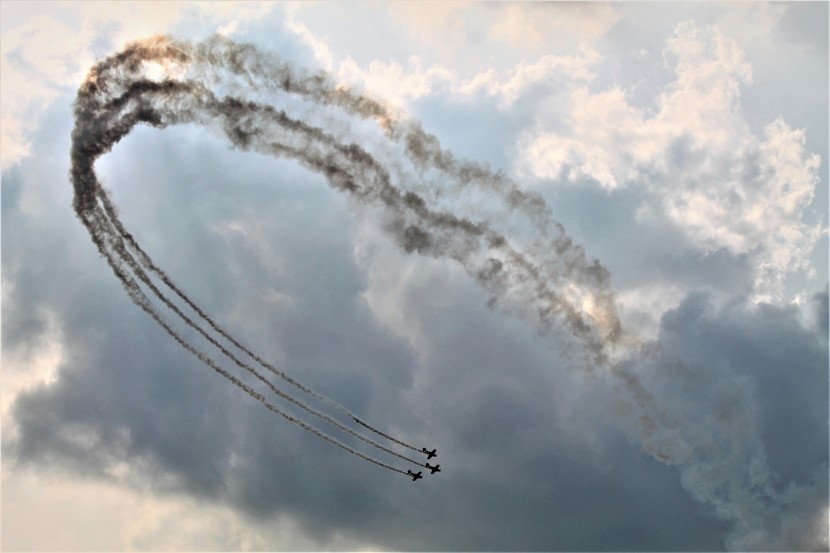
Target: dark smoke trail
{"x": 387, "y": 436}
{"x": 117, "y": 96}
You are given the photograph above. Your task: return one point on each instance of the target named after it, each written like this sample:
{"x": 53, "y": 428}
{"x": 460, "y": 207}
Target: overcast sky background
{"x": 683, "y": 145}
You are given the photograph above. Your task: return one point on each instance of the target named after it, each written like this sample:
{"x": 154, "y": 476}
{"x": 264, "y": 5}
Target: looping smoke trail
{"x": 118, "y": 95}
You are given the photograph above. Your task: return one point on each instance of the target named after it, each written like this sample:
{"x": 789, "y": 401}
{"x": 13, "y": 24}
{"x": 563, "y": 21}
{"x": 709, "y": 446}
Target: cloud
{"x": 94, "y": 515}
{"x": 38, "y": 59}
{"x": 445, "y": 62}
{"x": 574, "y": 23}
{"x": 742, "y": 392}
{"x": 696, "y": 156}
{"x": 402, "y": 85}
{"x": 451, "y": 32}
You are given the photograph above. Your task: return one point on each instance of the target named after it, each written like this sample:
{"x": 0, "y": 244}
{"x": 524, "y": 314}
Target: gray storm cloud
{"x": 552, "y": 282}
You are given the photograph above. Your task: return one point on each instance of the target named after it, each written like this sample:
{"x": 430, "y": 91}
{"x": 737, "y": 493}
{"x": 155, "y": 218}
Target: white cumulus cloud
{"x": 695, "y": 156}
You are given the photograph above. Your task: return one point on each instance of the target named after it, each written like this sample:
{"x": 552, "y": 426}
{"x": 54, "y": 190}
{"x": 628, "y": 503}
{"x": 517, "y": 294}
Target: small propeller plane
{"x": 430, "y": 454}
{"x": 414, "y": 475}
{"x": 433, "y": 469}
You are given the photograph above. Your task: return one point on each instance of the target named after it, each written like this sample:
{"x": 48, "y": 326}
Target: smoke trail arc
{"x": 118, "y": 95}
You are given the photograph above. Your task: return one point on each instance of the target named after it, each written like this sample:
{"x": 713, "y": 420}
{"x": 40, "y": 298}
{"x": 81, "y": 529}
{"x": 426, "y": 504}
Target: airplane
{"x": 430, "y": 454}
{"x": 414, "y": 475}
{"x": 433, "y": 469}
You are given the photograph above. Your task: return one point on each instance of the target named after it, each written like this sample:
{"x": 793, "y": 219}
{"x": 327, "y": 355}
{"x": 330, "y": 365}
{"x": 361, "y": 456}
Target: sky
{"x": 581, "y": 251}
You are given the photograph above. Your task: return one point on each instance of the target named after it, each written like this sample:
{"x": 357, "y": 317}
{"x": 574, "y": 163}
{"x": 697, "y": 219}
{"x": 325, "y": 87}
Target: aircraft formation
{"x": 430, "y": 454}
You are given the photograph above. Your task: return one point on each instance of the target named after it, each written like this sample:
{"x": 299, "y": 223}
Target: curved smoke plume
{"x": 118, "y": 94}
